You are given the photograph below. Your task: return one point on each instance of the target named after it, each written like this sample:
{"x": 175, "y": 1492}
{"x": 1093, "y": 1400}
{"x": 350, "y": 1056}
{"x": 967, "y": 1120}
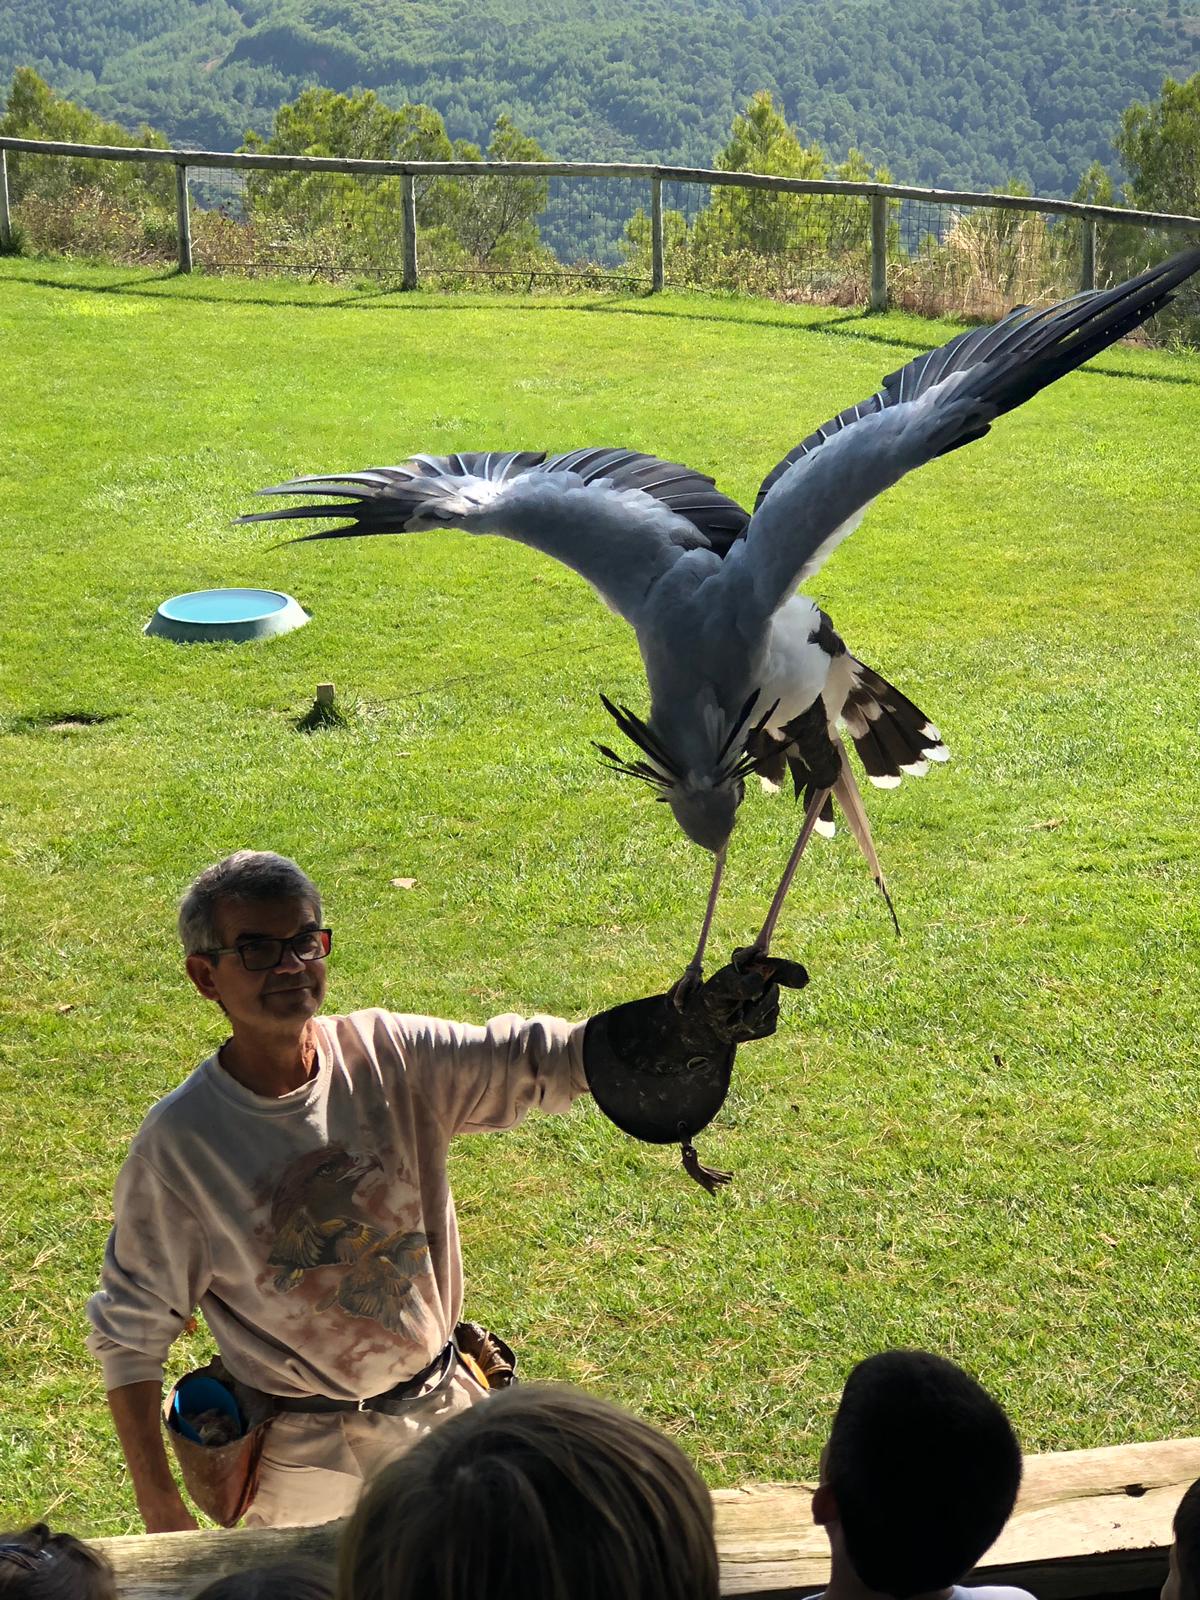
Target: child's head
{"x": 920, "y": 1473}
{"x": 1183, "y": 1577}
{"x": 287, "y": 1580}
{"x": 39, "y": 1565}
{"x": 539, "y": 1491}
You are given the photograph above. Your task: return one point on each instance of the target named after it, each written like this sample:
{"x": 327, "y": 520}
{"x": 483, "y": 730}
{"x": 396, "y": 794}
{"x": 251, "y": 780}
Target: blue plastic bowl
{"x": 196, "y": 1394}
{"x": 205, "y": 615}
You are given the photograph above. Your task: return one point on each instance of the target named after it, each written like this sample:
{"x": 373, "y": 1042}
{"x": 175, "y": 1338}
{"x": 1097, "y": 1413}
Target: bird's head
{"x": 706, "y": 811}
{"x": 703, "y": 792}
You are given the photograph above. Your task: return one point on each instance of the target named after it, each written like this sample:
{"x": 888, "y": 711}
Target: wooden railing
{"x": 877, "y": 194}
{"x": 1088, "y": 1523}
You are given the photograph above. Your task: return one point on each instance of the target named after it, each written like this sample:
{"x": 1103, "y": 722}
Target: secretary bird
{"x": 744, "y": 673}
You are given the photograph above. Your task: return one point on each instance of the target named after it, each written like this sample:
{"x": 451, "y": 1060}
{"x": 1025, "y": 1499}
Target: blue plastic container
{"x": 197, "y": 1393}
{"x": 206, "y": 615}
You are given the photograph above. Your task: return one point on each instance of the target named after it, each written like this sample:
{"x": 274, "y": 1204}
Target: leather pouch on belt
{"x": 486, "y": 1355}
{"x": 217, "y": 1428}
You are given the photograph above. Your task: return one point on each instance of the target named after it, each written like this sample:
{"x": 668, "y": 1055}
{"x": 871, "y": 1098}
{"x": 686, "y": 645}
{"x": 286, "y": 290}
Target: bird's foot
{"x": 775, "y": 969}
{"x": 747, "y": 956}
{"x": 686, "y": 990}
{"x": 710, "y": 1178}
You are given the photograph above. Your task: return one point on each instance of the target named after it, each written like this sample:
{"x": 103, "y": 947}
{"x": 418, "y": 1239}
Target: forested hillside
{"x": 967, "y": 92}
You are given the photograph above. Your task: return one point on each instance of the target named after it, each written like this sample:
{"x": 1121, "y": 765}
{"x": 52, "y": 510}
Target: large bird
{"x": 745, "y": 673}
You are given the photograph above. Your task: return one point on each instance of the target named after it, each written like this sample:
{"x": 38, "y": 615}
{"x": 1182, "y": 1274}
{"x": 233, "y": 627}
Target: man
{"x": 294, "y": 1188}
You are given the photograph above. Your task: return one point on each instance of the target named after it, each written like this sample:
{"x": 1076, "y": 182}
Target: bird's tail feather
{"x": 892, "y": 736}
{"x": 848, "y": 797}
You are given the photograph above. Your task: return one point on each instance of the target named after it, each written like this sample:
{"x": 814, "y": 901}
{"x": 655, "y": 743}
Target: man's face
{"x": 278, "y": 1000}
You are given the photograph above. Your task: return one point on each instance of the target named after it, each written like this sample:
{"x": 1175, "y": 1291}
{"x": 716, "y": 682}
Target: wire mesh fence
{"x": 797, "y": 247}
{"x": 101, "y": 210}
{"x": 565, "y": 229}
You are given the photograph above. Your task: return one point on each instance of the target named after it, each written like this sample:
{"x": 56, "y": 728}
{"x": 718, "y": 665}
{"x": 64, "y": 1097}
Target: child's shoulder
{"x": 989, "y": 1591}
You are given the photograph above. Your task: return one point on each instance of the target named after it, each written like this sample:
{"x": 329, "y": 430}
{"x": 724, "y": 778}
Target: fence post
{"x": 879, "y": 220}
{"x": 183, "y": 217}
{"x": 1087, "y": 276}
{"x": 656, "y": 237}
{"x": 408, "y": 230}
{"x": 5, "y": 215}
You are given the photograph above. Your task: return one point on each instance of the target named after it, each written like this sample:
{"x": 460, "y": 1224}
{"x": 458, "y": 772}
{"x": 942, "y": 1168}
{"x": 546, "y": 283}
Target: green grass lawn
{"x": 979, "y": 1138}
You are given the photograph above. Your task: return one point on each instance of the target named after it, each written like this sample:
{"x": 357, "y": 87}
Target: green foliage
{"x": 1159, "y": 146}
{"x": 743, "y": 236}
{"x": 34, "y": 111}
{"x": 957, "y": 93}
{"x": 487, "y": 222}
{"x": 494, "y": 220}
{"x": 756, "y": 220}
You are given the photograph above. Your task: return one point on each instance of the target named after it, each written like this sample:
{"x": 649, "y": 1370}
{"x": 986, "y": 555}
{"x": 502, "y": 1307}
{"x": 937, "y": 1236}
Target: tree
{"x": 34, "y": 111}
{"x": 1159, "y": 146}
{"x": 759, "y": 220}
{"x": 755, "y": 238}
{"x": 360, "y": 128}
{"x": 495, "y": 217}
{"x": 345, "y": 221}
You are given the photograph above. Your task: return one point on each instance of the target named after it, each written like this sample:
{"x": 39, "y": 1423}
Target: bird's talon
{"x": 687, "y": 987}
{"x": 746, "y": 957}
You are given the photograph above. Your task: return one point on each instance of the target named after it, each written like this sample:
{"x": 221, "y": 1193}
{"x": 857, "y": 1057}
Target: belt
{"x": 440, "y": 1368}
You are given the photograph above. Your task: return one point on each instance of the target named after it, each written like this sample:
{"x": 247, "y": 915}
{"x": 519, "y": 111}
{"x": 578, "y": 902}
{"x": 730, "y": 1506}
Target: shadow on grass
{"x": 57, "y": 721}
{"x": 852, "y": 324}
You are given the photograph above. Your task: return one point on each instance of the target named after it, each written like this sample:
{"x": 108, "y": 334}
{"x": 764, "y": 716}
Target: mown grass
{"x": 979, "y": 1138}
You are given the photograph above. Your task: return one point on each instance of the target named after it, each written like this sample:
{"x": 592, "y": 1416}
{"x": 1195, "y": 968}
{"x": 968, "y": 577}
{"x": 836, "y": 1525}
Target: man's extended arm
{"x": 136, "y": 1410}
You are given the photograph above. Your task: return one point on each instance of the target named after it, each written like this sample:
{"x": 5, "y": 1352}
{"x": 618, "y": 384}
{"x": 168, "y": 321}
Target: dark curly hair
{"x": 1186, "y": 1528}
{"x": 285, "y": 1580}
{"x": 36, "y": 1564}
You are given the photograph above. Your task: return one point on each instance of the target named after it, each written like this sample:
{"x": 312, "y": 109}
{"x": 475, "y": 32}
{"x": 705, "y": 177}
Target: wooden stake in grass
{"x": 323, "y": 713}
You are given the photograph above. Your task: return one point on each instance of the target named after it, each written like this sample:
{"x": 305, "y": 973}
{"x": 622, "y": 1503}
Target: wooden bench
{"x": 1088, "y": 1523}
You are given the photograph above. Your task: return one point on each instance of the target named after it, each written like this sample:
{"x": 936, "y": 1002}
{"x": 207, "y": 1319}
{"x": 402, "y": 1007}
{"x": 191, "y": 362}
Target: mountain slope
{"x": 966, "y": 92}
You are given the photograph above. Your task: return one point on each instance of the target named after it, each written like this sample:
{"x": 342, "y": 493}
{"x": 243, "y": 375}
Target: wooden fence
{"x": 878, "y": 196}
{"x": 1088, "y": 1524}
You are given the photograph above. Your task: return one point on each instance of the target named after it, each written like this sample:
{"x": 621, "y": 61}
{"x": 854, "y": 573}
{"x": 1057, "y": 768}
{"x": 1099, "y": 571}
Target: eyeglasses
{"x": 261, "y": 955}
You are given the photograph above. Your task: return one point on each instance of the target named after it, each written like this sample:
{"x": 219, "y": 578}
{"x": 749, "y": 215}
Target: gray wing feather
{"x": 1076, "y": 329}
{"x": 943, "y": 400}
{"x": 620, "y": 518}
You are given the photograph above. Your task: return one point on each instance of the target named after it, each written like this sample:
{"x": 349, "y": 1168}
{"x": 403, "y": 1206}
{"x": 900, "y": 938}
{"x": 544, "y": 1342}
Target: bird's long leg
{"x": 762, "y": 944}
{"x": 694, "y": 971}
{"x": 846, "y": 793}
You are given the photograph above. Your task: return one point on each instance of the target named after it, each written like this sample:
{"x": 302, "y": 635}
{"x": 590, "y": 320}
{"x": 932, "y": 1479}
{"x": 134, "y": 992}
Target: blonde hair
{"x": 541, "y": 1493}
{"x": 285, "y": 1580}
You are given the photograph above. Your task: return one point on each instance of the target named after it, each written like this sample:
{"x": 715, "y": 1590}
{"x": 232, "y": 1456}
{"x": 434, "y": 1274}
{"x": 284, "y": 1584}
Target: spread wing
{"x": 617, "y": 517}
{"x": 820, "y": 491}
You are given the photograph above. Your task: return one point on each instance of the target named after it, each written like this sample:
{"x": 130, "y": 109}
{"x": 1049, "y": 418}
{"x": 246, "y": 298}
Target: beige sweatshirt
{"x": 316, "y": 1232}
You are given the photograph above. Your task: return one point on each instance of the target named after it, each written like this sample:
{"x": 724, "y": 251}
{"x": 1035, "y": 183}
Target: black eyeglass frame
{"x": 325, "y": 935}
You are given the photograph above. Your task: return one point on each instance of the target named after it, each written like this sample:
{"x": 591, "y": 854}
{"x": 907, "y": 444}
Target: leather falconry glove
{"x": 662, "y": 1074}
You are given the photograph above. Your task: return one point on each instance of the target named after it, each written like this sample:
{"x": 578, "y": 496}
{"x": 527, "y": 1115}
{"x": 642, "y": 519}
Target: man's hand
{"x": 136, "y": 1409}
{"x": 167, "y": 1516}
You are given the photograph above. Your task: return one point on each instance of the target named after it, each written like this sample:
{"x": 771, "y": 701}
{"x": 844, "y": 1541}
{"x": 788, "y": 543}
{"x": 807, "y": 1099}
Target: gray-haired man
{"x": 294, "y": 1188}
